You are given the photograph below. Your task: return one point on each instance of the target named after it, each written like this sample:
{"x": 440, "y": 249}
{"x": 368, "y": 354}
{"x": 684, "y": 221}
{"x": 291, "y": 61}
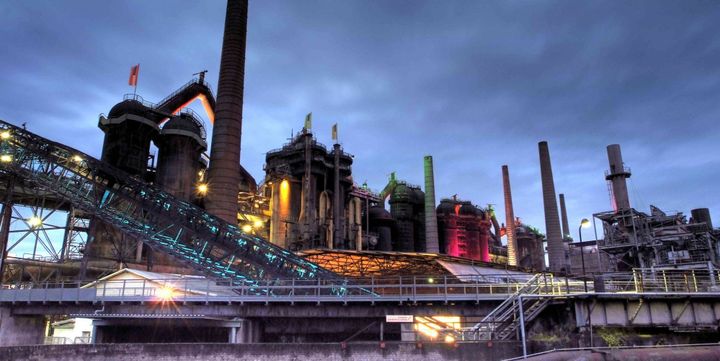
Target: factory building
{"x": 464, "y": 229}
{"x": 407, "y": 207}
{"x": 634, "y": 239}
{"x": 530, "y": 253}
{"x": 311, "y": 204}
{"x": 130, "y": 128}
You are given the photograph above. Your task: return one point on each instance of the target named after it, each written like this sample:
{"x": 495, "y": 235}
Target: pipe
{"x": 555, "y": 247}
{"x": 224, "y": 172}
{"x": 5, "y": 219}
{"x": 617, "y": 175}
{"x": 431, "y": 231}
{"x": 338, "y": 203}
{"x": 564, "y": 217}
{"x": 509, "y": 218}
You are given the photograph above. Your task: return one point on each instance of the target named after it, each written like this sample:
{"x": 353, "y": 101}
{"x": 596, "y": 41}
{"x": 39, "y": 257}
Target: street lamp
{"x": 584, "y": 223}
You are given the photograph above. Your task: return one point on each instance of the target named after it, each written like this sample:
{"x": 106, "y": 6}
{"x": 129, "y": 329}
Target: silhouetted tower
{"x": 224, "y": 173}
{"x": 617, "y": 175}
{"x": 509, "y": 218}
{"x": 564, "y": 217}
{"x": 180, "y": 145}
{"x": 555, "y": 247}
{"x": 431, "y": 228}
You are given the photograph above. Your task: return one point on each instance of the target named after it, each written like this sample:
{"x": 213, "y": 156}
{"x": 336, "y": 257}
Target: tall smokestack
{"x": 338, "y": 203}
{"x": 509, "y": 218}
{"x": 224, "y": 173}
{"x": 555, "y": 247}
{"x": 563, "y": 217}
{"x": 617, "y": 176}
{"x": 431, "y": 231}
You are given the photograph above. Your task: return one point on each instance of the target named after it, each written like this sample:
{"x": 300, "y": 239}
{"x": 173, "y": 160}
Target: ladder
{"x": 188, "y": 233}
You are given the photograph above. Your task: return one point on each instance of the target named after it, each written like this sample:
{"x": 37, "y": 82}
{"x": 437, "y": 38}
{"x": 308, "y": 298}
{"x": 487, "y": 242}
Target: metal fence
{"x": 398, "y": 288}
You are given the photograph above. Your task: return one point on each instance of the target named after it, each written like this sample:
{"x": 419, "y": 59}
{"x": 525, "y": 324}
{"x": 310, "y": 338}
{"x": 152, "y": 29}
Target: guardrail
{"x": 196, "y": 289}
{"x": 410, "y": 289}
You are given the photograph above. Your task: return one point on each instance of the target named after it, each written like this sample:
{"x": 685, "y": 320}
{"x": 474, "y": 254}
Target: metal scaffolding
{"x": 143, "y": 212}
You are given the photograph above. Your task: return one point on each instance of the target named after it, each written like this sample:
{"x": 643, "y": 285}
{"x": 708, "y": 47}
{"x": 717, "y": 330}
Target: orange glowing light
{"x": 206, "y": 105}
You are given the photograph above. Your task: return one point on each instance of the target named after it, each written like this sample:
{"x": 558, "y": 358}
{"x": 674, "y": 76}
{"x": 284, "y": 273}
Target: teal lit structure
{"x": 167, "y": 224}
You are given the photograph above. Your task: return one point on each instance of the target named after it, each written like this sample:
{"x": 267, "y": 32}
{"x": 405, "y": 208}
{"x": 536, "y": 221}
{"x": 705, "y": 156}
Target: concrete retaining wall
{"x": 263, "y": 352}
{"x": 17, "y": 330}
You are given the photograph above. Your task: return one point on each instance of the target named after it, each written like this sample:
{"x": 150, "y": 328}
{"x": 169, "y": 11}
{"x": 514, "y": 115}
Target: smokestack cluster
{"x": 555, "y": 247}
{"x": 509, "y": 218}
{"x": 224, "y": 173}
{"x": 617, "y": 176}
{"x": 563, "y": 217}
{"x": 432, "y": 244}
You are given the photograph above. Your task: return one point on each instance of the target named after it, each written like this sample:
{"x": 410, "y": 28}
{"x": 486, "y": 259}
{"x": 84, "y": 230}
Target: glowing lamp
{"x": 77, "y": 159}
{"x": 584, "y": 223}
{"x": 34, "y": 221}
{"x": 247, "y": 228}
{"x": 258, "y": 224}
{"x": 202, "y": 188}
{"x": 449, "y": 339}
{"x": 5, "y": 158}
{"x": 165, "y": 293}
{"x": 5, "y": 135}
{"x": 431, "y": 280}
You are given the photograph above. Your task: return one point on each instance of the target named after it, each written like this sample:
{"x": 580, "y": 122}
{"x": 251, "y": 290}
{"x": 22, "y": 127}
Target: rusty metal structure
{"x": 314, "y": 202}
{"x": 656, "y": 239}
{"x": 464, "y": 229}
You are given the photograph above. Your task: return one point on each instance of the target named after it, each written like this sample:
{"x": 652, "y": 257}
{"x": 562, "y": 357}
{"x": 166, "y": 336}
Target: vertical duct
{"x": 617, "y": 175}
{"x": 338, "y": 203}
{"x": 564, "y": 218}
{"x": 555, "y": 247}
{"x": 702, "y": 215}
{"x": 509, "y": 218}
{"x": 224, "y": 173}
{"x": 431, "y": 231}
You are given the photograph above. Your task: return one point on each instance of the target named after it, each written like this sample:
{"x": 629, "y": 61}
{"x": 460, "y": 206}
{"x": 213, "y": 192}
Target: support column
{"x": 5, "y": 219}
{"x": 20, "y": 330}
{"x": 232, "y": 335}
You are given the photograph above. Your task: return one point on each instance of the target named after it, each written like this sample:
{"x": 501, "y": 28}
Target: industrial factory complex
{"x": 183, "y": 245}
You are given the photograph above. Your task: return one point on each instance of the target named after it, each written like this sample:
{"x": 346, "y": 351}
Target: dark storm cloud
{"x": 475, "y": 84}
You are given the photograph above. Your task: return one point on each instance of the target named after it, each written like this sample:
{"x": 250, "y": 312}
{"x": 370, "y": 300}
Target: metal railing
{"x": 403, "y": 289}
{"x": 663, "y": 281}
{"x": 139, "y": 99}
{"x": 399, "y": 288}
{"x": 410, "y": 289}
{"x": 179, "y": 90}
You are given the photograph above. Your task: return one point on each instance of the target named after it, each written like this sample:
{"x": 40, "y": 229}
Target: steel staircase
{"x": 180, "y": 229}
{"x": 503, "y": 322}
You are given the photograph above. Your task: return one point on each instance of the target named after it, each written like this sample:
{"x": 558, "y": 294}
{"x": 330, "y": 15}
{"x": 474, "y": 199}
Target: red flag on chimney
{"x": 134, "y": 72}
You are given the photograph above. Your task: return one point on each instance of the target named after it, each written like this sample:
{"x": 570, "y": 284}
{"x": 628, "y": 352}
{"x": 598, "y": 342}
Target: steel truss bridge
{"x": 166, "y": 224}
{"x": 677, "y": 299}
